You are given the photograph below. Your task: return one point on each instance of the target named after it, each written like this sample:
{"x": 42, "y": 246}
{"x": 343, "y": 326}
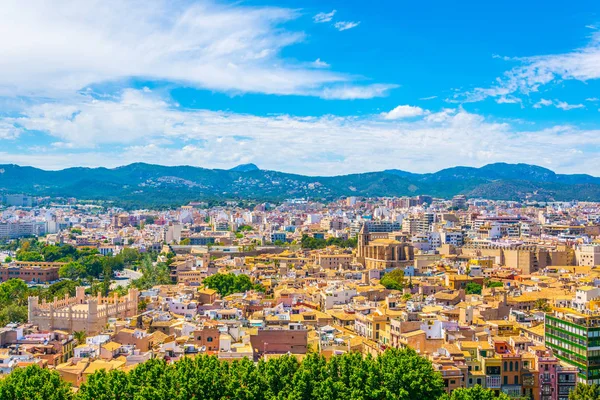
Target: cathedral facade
{"x": 378, "y": 251}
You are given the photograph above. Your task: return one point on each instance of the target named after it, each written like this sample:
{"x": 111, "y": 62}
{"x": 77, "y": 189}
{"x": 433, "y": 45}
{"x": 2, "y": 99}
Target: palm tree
{"x": 80, "y": 336}
{"x": 542, "y": 305}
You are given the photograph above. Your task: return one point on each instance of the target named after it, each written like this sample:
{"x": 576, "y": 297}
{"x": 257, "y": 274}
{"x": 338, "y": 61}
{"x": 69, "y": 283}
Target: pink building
{"x": 556, "y": 381}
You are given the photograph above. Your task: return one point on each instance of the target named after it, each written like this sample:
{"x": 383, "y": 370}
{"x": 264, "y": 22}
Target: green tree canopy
{"x": 152, "y": 274}
{"x": 227, "y": 284}
{"x": 130, "y": 256}
{"x": 396, "y": 375}
{"x": 473, "y": 288}
{"x": 475, "y": 393}
{"x": 585, "y": 392}
{"x": 33, "y": 383}
{"x": 72, "y": 270}
{"x": 393, "y": 280}
{"x": 309, "y": 242}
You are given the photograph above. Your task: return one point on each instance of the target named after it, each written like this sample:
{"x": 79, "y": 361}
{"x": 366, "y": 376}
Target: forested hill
{"x": 161, "y": 185}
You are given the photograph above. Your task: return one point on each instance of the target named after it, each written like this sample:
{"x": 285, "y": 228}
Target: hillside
{"x": 148, "y": 184}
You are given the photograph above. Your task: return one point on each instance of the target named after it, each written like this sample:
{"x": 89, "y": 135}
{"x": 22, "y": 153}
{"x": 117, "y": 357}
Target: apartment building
{"x": 588, "y": 255}
{"x": 575, "y": 339}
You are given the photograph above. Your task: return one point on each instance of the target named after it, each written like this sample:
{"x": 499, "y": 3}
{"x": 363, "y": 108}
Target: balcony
{"x": 546, "y": 390}
{"x": 512, "y": 390}
{"x": 493, "y": 381}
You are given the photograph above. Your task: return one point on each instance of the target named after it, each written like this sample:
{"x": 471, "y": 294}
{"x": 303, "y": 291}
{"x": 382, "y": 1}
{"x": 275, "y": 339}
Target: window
{"x": 209, "y": 339}
{"x": 505, "y": 380}
{"x": 516, "y": 379}
{"x": 510, "y": 366}
{"x": 505, "y": 366}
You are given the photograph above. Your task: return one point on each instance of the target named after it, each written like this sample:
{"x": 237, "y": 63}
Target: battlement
{"x": 87, "y": 313}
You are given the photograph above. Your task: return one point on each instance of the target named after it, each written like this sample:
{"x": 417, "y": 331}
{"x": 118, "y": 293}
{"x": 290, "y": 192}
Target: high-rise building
{"x": 575, "y": 339}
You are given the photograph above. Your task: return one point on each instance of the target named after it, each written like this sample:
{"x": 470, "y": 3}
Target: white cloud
{"x": 59, "y": 47}
{"x": 345, "y": 25}
{"x": 581, "y": 64}
{"x": 324, "y": 17}
{"x": 542, "y": 103}
{"x": 9, "y": 130}
{"x": 441, "y": 116}
{"x": 563, "y": 105}
{"x": 428, "y": 98}
{"x": 509, "y": 100}
{"x": 404, "y": 112}
{"x": 592, "y": 99}
{"x": 318, "y": 63}
{"x": 357, "y": 92}
{"x": 139, "y": 126}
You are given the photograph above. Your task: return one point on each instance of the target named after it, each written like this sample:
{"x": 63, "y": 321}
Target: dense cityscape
{"x": 489, "y": 295}
{"x": 299, "y": 200}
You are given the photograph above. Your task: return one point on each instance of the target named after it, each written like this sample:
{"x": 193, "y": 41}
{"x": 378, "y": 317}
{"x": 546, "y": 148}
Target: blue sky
{"x": 315, "y": 87}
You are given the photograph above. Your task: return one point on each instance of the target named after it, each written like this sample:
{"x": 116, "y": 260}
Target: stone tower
{"x": 363, "y": 240}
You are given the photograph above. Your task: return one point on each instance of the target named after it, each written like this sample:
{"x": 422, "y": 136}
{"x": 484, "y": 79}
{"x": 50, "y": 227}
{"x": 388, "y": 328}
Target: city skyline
{"x": 318, "y": 88}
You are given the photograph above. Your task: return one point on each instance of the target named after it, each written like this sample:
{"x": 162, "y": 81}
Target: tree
{"x": 585, "y": 392}
{"x": 34, "y": 382}
{"x": 393, "y": 280}
{"x": 52, "y": 253}
{"x": 227, "y": 284}
{"x": 542, "y": 305}
{"x": 93, "y": 265}
{"x": 130, "y": 255}
{"x": 13, "y": 313}
{"x": 494, "y": 284}
{"x": 80, "y": 336}
{"x": 116, "y": 263}
{"x": 152, "y": 274}
{"x": 185, "y": 242}
{"x": 104, "y": 385}
{"x": 60, "y": 290}
{"x": 406, "y": 375}
{"x": 309, "y": 242}
{"x": 475, "y": 393}
{"x": 72, "y": 270}
{"x": 106, "y": 279}
{"x": 29, "y": 256}
{"x": 142, "y": 305}
{"x": 473, "y": 288}
{"x": 13, "y": 291}
{"x": 395, "y": 375}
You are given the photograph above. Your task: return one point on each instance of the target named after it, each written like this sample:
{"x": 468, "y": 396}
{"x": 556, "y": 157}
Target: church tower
{"x": 362, "y": 242}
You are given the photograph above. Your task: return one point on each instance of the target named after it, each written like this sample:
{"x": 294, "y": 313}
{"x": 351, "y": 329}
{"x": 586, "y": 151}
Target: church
{"x": 378, "y": 251}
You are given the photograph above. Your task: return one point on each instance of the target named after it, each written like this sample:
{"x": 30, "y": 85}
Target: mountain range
{"x": 152, "y": 185}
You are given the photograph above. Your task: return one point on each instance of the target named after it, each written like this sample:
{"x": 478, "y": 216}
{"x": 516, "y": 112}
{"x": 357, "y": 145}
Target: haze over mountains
{"x": 148, "y": 184}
